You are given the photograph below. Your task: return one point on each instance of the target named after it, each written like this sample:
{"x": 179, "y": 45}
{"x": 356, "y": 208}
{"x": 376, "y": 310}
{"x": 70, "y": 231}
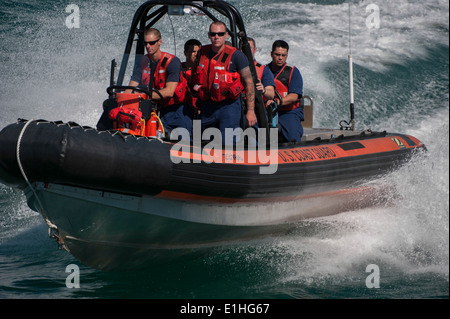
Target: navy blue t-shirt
{"x": 296, "y": 85}
{"x": 267, "y": 78}
{"x": 173, "y": 70}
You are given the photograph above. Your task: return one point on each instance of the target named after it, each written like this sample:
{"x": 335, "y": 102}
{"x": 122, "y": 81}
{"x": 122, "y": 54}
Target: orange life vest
{"x": 186, "y": 73}
{"x": 214, "y": 75}
{"x": 160, "y": 77}
{"x": 128, "y": 116}
{"x": 259, "y": 72}
{"x": 259, "y": 69}
{"x": 282, "y": 82}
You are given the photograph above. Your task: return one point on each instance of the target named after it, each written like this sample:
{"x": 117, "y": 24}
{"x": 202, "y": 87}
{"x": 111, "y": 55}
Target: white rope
{"x": 19, "y": 141}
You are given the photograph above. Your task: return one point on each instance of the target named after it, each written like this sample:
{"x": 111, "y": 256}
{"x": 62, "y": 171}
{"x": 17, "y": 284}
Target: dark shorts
{"x": 290, "y": 123}
{"x": 221, "y": 115}
{"x": 176, "y": 116}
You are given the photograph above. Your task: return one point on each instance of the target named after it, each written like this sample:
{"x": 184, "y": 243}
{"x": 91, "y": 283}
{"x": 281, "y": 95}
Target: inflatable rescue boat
{"x": 127, "y": 197}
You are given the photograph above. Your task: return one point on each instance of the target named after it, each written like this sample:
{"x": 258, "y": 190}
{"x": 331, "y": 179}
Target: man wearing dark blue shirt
{"x": 163, "y": 70}
{"x": 289, "y": 83}
{"x": 222, "y": 73}
{"x": 266, "y": 83}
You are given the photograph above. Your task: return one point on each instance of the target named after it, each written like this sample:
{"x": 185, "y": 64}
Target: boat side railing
{"x": 308, "y": 111}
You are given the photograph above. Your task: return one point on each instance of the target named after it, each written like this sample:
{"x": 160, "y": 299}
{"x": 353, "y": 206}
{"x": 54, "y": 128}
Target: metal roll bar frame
{"x": 147, "y": 16}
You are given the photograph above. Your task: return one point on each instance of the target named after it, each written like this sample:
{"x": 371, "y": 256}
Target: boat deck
{"x": 310, "y": 134}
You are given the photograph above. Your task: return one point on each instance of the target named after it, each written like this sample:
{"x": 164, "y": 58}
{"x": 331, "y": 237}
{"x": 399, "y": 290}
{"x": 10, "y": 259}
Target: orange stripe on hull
{"x": 299, "y": 154}
{"x": 178, "y": 196}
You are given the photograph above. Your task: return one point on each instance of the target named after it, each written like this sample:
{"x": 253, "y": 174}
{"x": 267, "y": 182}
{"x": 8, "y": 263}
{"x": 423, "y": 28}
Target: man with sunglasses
{"x": 162, "y": 71}
{"x": 221, "y": 74}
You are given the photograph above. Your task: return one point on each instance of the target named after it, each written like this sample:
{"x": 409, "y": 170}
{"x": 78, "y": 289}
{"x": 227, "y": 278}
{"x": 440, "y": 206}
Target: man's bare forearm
{"x": 249, "y": 87}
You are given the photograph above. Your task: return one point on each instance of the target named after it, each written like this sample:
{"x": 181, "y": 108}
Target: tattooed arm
{"x": 247, "y": 81}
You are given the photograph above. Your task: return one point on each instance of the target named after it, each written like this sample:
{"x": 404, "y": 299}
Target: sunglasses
{"x": 220, "y": 34}
{"x": 150, "y": 42}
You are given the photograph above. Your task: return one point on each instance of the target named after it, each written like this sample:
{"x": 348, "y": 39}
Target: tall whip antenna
{"x": 350, "y": 66}
{"x": 350, "y": 125}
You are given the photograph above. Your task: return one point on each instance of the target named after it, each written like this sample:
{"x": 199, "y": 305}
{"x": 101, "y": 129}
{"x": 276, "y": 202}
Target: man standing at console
{"x": 222, "y": 73}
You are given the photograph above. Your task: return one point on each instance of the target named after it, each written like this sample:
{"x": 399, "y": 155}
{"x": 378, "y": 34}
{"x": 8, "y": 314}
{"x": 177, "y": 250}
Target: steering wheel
{"x": 110, "y": 90}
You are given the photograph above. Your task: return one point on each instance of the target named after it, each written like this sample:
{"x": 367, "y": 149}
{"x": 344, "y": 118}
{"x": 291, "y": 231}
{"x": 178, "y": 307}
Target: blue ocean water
{"x": 401, "y": 84}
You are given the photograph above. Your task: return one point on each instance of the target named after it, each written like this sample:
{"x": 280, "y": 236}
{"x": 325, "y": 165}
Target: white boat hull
{"x": 113, "y": 231}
